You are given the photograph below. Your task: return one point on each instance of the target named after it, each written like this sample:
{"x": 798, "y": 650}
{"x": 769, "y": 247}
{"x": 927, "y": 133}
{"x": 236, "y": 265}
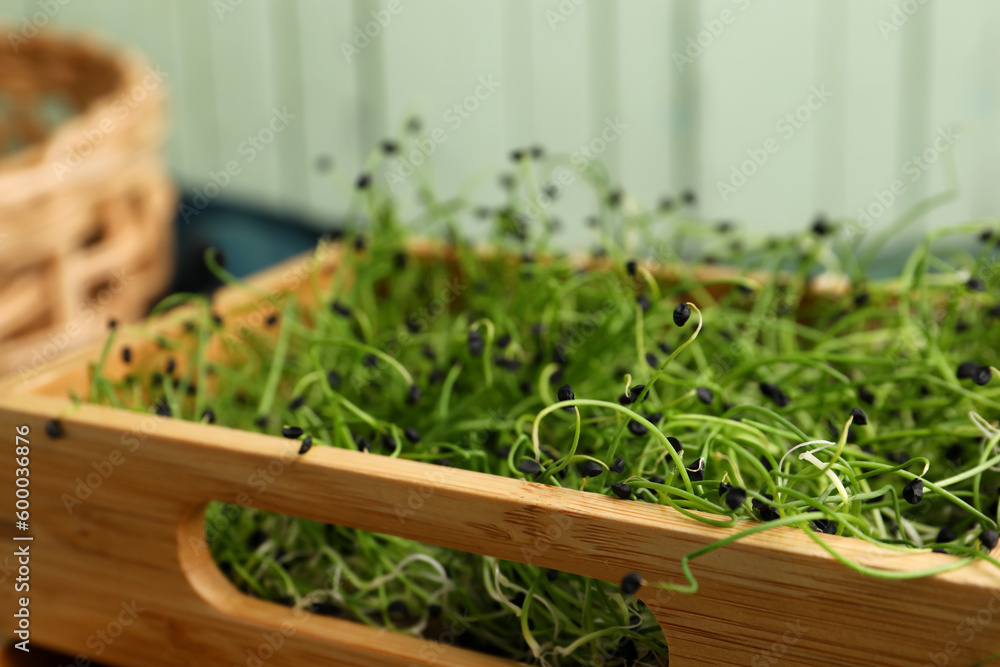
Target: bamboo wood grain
{"x": 775, "y": 598}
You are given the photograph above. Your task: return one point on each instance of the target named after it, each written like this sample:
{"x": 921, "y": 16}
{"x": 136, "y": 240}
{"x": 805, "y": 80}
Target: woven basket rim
{"x": 29, "y": 171}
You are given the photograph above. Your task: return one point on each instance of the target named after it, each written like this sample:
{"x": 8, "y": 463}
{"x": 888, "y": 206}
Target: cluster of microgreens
{"x": 868, "y": 413}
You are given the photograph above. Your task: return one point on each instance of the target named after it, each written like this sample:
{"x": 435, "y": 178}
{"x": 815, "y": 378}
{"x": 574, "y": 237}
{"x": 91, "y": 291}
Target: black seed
{"x": 363, "y": 444}
{"x": 112, "y": 324}
{"x": 967, "y": 369}
{"x": 976, "y": 284}
{"x": 697, "y": 472}
{"x": 861, "y": 299}
{"x": 435, "y": 376}
{"x": 444, "y": 463}
{"x": 272, "y": 320}
{"x": 54, "y": 429}
{"x": 820, "y": 226}
{"x": 398, "y": 608}
{"x": 676, "y": 444}
{"x": 370, "y": 360}
{"x": 389, "y": 147}
{"x": 618, "y": 466}
{"x": 291, "y": 432}
{"x": 171, "y": 366}
{"x": 163, "y": 409}
{"x": 503, "y": 341}
{"x": 552, "y": 575}
{"x": 529, "y": 466}
{"x": 615, "y": 198}
{"x": 946, "y": 534}
{"x": 767, "y": 512}
{"x": 866, "y": 396}
{"x": 689, "y": 197}
{"x": 363, "y": 181}
{"x": 333, "y": 379}
{"x": 217, "y": 319}
{"x": 652, "y": 360}
{"x": 860, "y": 418}
{"x": 637, "y": 429}
{"x": 656, "y": 479}
{"x": 127, "y": 355}
{"x": 982, "y": 375}
{"x": 297, "y": 403}
{"x": 591, "y": 469}
{"x": 735, "y": 496}
{"x": 682, "y": 314}
{"x": 565, "y": 393}
{"x": 413, "y": 395}
{"x": 630, "y": 267}
{"x": 476, "y": 343}
{"x": 955, "y": 452}
{"x": 388, "y": 443}
{"x": 340, "y": 309}
{"x": 412, "y": 434}
{"x": 913, "y": 492}
{"x": 825, "y": 526}
{"x": 643, "y": 302}
{"x": 208, "y": 415}
{"x": 779, "y": 397}
{"x": 664, "y": 347}
{"x": 559, "y": 354}
{"x": 324, "y": 163}
{"x": 633, "y": 395}
{"x": 899, "y": 458}
{"x": 631, "y": 583}
{"x": 360, "y": 242}
{"x": 517, "y": 154}
{"x": 536, "y": 152}
{"x": 307, "y": 443}
{"x": 622, "y": 490}
{"x": 261, "y": 421}
{"x": 705, "y": 395}
{"x": 989, "y": 539}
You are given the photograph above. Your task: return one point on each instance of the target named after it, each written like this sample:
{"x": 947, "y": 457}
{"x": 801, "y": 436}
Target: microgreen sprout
{"x": 539, "y": 368}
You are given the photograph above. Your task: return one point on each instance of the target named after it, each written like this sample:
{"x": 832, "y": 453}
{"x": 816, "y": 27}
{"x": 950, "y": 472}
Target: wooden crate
{"x": 774, "y": 598}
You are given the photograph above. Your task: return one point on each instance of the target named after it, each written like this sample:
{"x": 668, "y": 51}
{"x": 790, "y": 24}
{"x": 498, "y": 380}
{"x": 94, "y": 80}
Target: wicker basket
{"x": 772, "y": 599}
{"x": 85, "y": 203}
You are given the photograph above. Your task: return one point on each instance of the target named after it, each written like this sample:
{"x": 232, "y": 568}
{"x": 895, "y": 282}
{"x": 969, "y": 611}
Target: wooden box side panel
{"x": 137, "y": 536}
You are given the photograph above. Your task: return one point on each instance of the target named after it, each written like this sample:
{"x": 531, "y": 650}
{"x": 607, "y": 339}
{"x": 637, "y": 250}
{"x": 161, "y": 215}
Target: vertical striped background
{"x": 565, "y": 68}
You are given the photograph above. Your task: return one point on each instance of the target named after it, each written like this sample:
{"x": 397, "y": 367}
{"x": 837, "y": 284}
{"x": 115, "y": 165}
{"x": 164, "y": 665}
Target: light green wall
{"x": 561, "y": 81}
